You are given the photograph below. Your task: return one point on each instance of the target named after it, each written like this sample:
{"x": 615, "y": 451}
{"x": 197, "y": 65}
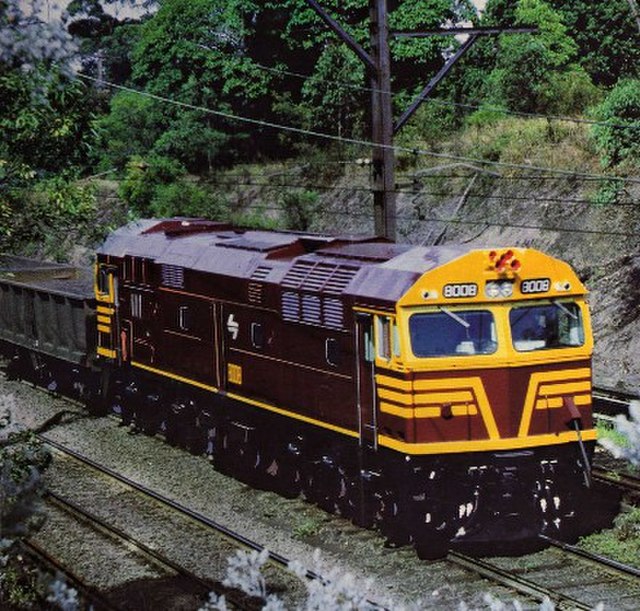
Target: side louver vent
{"x": 173, "y": 276}
{"x": 254, "y": 293}
{"x": 313, "y": 310}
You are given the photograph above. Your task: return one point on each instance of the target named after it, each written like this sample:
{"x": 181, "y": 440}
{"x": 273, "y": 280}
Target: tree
{"x": 606, "y": 35}
{"x": 530, "y": 72}
{"x": 44, "y": 128}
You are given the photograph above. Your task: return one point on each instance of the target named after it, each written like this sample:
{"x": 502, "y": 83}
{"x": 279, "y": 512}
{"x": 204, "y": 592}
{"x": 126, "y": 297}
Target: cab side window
{"x": 383, "y": 337}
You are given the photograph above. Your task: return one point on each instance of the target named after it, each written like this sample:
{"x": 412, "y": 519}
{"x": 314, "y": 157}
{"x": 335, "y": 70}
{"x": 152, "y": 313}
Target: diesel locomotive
{"x": 441, "y": 394}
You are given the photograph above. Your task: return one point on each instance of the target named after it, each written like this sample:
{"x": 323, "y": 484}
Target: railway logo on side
{"x": 233, "y": 327}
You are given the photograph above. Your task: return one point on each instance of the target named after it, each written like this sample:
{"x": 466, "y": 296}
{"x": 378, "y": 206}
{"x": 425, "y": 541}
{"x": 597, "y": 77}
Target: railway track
{"x": 504, "y": 576}
{"x": 500, "y": 575}
{"x": 629, "y": 484}
{"x": 569, "y": 577}
{"x": 278, "y": 561}
{"x": 114, "y": 547}
{"x": 612, "y": 402}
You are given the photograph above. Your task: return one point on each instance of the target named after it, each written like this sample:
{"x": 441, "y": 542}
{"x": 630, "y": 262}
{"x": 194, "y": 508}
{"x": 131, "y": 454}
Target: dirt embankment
{"x": 565, "y": 217}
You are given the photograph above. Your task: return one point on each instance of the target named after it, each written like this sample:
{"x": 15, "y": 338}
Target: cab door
{"x": 365, "y": 374}
{"x": 106, "y": 293}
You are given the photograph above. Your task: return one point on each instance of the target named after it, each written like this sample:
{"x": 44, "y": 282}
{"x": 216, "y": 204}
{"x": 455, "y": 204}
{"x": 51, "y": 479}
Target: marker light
{"x": 504, "y": 262}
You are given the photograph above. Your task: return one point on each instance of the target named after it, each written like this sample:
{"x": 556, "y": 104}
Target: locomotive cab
{"x": 490, "y": 374}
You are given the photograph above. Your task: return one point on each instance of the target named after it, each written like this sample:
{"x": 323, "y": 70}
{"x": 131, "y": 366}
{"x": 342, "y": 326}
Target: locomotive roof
{"x": 371, "y": 267}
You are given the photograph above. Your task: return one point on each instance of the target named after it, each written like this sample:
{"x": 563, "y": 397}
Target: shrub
{"x": 620, "y": 140}
{"x": 142, "y": 179}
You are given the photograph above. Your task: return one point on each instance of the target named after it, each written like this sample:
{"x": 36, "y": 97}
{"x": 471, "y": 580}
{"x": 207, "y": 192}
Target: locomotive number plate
{"x": 460, "y": 291}
{"x": 535, "y": 285}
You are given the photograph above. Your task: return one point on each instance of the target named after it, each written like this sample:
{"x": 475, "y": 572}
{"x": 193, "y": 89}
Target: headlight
{"x": 494, "y": 290}
{"x": 506, "y": 289}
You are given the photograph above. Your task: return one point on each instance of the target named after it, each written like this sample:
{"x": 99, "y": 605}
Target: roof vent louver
{"x": 261, "y": 272}
{"x": 319, "y": 277}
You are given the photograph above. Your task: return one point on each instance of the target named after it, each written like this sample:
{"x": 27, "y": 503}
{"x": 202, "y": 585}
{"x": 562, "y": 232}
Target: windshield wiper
{"x": 565, "y": 309}
{"x": 458, "y": 319}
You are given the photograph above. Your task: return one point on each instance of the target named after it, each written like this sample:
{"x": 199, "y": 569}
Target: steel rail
{"x": 624, "y": 481}
{"x": 110, "y": 531}
{"x": 595, "y": 558}
{"x": 199, "y": 518}
{"x": 515, "y": 582}
{"x": 98, "y": 601}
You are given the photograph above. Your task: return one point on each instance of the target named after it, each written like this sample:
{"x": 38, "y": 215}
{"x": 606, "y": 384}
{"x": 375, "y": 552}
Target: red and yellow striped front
{"x": 488, "y": 409}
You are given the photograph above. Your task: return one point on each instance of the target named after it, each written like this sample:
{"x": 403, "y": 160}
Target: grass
{"x": 607, "y": 432}
{"x": 622, "y": 542}
{"x": 307, "y": 528}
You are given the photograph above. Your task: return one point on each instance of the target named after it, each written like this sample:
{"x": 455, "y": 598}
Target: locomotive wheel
{"x": 394, "y": 519}
{"x": 322, "y": 484}
{"x": 433, "y": 547}
{"x": 282, "y": 473}
{"x": 238, "y": 455}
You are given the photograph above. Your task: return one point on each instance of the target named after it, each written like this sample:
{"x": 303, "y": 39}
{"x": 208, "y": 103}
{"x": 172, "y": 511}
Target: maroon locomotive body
{"x": 397, "y": 385}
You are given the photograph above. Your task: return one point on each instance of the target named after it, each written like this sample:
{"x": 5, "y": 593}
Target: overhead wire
{"x": 399, "y": 191}
{"x": 473, "y": 105}
{"x": 354, "y": 141}
{"x": 472, "y": 222}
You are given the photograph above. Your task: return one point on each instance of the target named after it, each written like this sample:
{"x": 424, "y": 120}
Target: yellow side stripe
{"x": 393, "y": 383}
{"x": 104, "y": 319}
{"x": 104, "y": 329}
{"x": 396, "y": 397}
{"x": 555, "y": 402}
{"x": 569, "y": 388}
{"x": 458, "y": 396}
{"x": 106, "y": 352}
{"x": 484, "y": 445}
{"x": 104, "y": 310}
{"x": 460, "y": 409}
{"x": 174, "y": 376}
{"x": 247, "y": 400}
{"x": 394, "y": 410}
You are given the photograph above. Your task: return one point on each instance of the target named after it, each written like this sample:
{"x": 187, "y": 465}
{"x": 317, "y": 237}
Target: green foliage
{"x": 486, "y": 116}
{"x": 299, "y": 208}
{"x": 621, "y": 543}
{"x": 258, "y": 218}
{"x": 44, "y": 121}
{"x": 606, "y": 193}
{"x": 619, "y": 141}
{"x": 569, "y": 92}
{"x": 606, "y": 35}
{"x": 527, "y": 141}
{"x": 184, "y": 198}
{"x": 142, "y": 179}
{"x": 159, "y": 187}
{"x": 130, "y": 129}
{"x": 336, "y": 109}
{"x": 528, "y": 64}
